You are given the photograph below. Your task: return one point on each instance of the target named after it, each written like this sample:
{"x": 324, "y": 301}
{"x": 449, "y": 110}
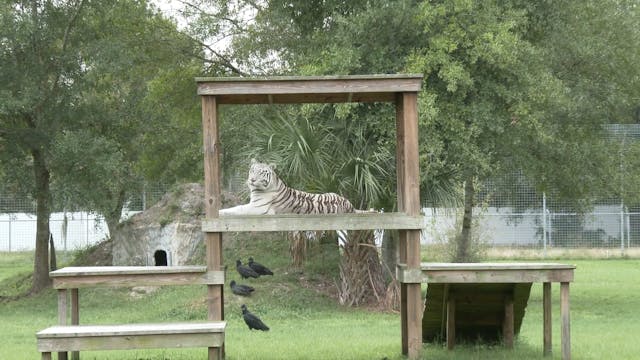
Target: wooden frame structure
{"x": 457, "y": 282}
{"x": 69, "y": 335}
{"x": 402, "y": 90}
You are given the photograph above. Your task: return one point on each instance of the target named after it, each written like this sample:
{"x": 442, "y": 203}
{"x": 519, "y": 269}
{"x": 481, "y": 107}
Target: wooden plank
{"x": 62, "y": 306}
{"x": 124, "y": 270}
{"x": 64, "y": 331}
{"x": 407, "y": 123}
{"x": 565, "y": 328}
{"x": 508, "y": 322}
{"x": 75, "y": 316}
{"x": 211, "y": 149}
{"x": 451, "y": 322}
{"x": 103, "y": 276}
{"x": 291, "y": 222}
{"x": 213, "y": 241}
{"x": 486, "y": 273}
{"x": 308, "y": 89}
{"x": 125, "y": 342}
{"x": 546, "y": 311}
{"x": 62, "y": 315}
{"x": 496, "y": 266}
{"x": 246, "y": 99}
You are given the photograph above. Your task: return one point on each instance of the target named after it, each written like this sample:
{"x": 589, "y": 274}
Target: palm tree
{"x": 317, "y": 150}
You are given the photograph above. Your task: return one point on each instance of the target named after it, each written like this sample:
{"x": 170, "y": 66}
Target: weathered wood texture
{"x": 400, "y": 89}
{"x": 486, "y": 273}
{"x": 479, "y": 311}
{"x": 546, "y": 320}
{"x": 326, "y": 89}
{"x": 361, "y": 221}
{"x": 486, "y": 297}
{"x": 131, "y": 336}
{"x": 125, "y": 276}
{"x": 565, "y": 328}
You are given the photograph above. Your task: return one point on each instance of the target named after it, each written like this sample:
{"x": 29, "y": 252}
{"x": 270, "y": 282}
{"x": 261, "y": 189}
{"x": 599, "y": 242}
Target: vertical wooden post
{"x": 75, "y": 317}
{"x": 564, "y": 316}
{"x": 507, "y": 324}
{"x": 546, "y": 309}
{"x": 62, "y": 316}
{"x": 451, "y": 322}
{"x": 409, "y": 202}
{"x": 213, "y": 241}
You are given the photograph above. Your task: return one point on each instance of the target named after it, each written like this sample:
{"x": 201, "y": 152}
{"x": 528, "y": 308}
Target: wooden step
{"x": 131, "y": 336}
{"x": 128, "y": 276}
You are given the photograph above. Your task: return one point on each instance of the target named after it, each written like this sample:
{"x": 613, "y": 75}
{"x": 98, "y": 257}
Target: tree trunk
{"x": 42, "y": 195}
{"x": 361, "y": 276}
{"x": 297, "y": 248}
{"x": 463, "y": 253}
{"x": 390, "y": 252}
{"x": 113, "y": 217}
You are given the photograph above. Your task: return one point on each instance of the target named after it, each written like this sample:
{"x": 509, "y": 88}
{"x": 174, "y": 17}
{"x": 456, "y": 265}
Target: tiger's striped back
{"x": 269, "y": 192}
{"x": 292, "y": 201}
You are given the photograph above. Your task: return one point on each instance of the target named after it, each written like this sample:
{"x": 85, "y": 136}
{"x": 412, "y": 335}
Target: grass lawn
{"x": 306, "y": 323}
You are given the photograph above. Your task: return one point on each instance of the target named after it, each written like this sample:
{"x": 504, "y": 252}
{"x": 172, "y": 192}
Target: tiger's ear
{"x": 254, "y": 161}
{"x": 272, "y": 166}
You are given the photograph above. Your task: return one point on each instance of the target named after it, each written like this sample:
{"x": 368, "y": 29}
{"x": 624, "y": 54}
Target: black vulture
{"x": 245, "y": 271}
{"x": 252, "y": 321}
{"x": 240, "y": 289}
{"x": 259, "y": 268}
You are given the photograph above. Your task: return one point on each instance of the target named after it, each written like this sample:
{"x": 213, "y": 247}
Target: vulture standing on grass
{"x": 240, "y": 289}
{"x": 245, "y": 271}
{"x": 259, "y": 268}
{"x": 252, "y": 321}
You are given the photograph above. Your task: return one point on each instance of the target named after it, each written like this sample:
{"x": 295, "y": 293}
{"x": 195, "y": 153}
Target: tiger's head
{"x": 262, "y": 177}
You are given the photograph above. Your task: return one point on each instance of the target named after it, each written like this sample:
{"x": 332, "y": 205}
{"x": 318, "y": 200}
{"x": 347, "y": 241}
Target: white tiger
{"x": 270, "y": 195}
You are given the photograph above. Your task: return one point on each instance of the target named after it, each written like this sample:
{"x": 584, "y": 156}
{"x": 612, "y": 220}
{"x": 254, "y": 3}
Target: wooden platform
{"x": 479, "y": 310}
{"x": 117, "y": 276}
{"x": 69, "y": 335}
{"x": 64, "y": 338}
{"x": 487, "y": 301}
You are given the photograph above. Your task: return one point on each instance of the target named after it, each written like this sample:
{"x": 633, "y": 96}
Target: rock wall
{"x": 173, "y": 225}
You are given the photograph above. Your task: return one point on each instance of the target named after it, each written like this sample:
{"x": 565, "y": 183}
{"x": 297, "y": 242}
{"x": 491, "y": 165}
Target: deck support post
{"x": 564, "y": 318}
{"x": 213, "y": 241}
{"x": 546, "y": 309}
{"x": 409, "y": 202}
{"x": 451, "y": 322}
{"x": 508, "y": 322}
{"x": 62, "y": 316}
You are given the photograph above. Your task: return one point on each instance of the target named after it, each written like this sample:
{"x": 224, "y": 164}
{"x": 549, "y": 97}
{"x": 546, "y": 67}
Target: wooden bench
{"x": 69, "y": 335}
{"x": 131, "y": 336}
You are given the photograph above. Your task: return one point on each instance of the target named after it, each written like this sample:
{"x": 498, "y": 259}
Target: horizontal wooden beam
{"x": 311, "y": 89}
{"x": 313, "y": 222}
{"x": 131, "y": 336}
{"x": 486, "y": 273}
{"x": 125, "y": 276}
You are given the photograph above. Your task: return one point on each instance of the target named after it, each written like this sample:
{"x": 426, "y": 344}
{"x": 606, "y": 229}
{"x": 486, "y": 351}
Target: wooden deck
{"x": 487, "y": 301}
{"x": 69, "y": 335}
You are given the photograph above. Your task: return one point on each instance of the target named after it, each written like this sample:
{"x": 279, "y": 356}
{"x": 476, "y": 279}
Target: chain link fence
{"x": 70, "y": 230}
{"x": 513, "y": 215}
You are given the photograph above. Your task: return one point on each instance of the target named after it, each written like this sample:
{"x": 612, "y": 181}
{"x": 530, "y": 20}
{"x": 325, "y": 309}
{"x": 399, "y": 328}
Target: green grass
{"x": 307, "y": 324}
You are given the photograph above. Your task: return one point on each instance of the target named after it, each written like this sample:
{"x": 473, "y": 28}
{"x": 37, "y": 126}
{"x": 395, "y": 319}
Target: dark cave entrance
{"x": 160, "y": 257}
